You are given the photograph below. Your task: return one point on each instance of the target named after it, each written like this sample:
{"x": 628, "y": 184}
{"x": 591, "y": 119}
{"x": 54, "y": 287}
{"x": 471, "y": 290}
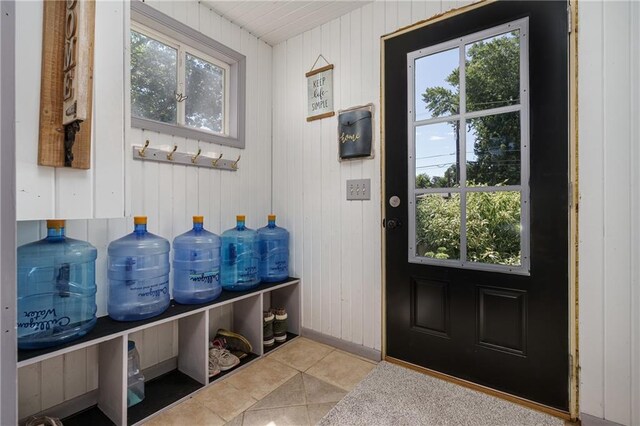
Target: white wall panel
{"x": 45, "y": 192}
{"x": 335, "y": 245}
{"x": 608, "y": 138}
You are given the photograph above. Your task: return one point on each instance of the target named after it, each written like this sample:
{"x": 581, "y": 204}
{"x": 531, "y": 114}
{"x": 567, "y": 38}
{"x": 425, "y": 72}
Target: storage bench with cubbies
{"x": 90, "y": 374}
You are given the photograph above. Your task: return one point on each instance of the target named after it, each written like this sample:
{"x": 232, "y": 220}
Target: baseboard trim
{"x": 589, "y": 420}
{"x": 493, "y": 392}
{"x": 344, "y": 345}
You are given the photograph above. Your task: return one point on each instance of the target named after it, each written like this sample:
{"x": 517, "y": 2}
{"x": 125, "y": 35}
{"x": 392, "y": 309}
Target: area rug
{"x": 393, "y": 395}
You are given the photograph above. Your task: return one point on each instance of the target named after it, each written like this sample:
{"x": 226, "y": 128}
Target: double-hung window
{"x": 182, "y": 82}
{"x": 468, "y": 130}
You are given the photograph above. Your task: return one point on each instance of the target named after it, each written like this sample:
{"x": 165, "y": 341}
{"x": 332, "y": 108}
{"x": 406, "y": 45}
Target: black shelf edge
{"x": 276, "y": 345}
{"x": 106, "y": 327}
{"x": 160, "y": 393}
{"x": 243, "y": 361}
{"x": 91, "y": 416}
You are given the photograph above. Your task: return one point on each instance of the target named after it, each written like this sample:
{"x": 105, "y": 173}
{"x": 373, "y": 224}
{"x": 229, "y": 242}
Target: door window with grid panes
{"x": 468, "y": 138}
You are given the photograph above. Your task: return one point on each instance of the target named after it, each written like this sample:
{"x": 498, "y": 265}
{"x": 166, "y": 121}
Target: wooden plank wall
{"x": 168, "y": 195}
{"x": 609, "y": 206}
{"x": 335, "y": 244}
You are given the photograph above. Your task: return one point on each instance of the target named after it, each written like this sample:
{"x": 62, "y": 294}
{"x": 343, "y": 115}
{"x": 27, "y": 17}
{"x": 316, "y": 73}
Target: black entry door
{"x": 476, "y": 198}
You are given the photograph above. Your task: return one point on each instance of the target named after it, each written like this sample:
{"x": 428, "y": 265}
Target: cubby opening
{"x": 242, "y": 317}
{"x": 173, "y": 359}
{"x": 288, "y": 298}
{"x": 81, "y": 386}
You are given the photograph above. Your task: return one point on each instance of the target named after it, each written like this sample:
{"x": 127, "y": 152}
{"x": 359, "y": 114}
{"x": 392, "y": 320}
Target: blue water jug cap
{"x": 131, "y": 345}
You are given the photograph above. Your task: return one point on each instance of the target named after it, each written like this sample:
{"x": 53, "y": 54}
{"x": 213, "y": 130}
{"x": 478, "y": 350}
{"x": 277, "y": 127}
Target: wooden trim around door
{"x": 574, "y": 378}
{"x": 486, "y": 390}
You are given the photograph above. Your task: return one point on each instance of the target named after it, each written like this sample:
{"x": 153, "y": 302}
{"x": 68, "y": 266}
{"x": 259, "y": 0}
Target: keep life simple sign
{"x": 320, "y": 93}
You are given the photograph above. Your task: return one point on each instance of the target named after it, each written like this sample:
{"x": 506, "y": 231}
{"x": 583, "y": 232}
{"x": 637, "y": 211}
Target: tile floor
{"x": 294, "y": 385}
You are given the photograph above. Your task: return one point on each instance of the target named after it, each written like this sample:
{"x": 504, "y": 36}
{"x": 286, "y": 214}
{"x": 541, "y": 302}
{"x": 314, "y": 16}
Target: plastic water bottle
{"x": 138, "y": 274}
{"x": 274, "y": 251}
{"x": 56, "y": 289}
{"x": 135, "y": 378}
{"x": 240, "y": 257}
{"x": 196, "y": 265}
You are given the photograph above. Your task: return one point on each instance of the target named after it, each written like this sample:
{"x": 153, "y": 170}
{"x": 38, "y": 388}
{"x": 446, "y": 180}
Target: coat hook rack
{"x": 149, "y": 153}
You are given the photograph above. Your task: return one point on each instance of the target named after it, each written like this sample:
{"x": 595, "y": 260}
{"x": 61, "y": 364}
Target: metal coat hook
{"x": 141, "y": 152}
{"x": 195, "y": 158}
{"x": 214, "y": 162}
{"x": 170, "y": 155}
{"x": 235, "y": 163}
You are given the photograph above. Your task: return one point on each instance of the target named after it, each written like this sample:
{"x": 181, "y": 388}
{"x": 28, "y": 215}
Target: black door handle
{"x": 391, "y": 223}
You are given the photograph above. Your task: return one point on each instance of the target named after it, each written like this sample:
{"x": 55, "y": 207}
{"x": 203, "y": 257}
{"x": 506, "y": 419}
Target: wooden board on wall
{"x": 51, "y": 141}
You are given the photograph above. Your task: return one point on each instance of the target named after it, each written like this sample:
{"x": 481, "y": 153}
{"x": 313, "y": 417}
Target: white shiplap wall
{"x": 335, "y": 244}
{"x": 168, "y": 195}
{"x": 609, "y": 38}
{"x": 48, "y": 192}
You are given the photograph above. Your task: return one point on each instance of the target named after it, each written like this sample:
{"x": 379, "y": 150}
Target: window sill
{"x": 187, "y": 132}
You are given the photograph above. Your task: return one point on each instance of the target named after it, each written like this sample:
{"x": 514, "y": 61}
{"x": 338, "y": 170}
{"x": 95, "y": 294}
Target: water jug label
{"x": 280, "y": 266}
{"x": 151, "y": 290}
{"x": 43, "y": 319}
{"x": 210, "y": 277}
{"x": 249, "y": 273}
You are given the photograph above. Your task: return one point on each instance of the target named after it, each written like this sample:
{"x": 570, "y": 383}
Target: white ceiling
{"x": 277, "y": 21}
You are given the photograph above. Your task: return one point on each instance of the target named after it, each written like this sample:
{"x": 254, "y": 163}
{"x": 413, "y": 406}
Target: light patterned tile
{"x": 287, "y": 416}
{"x": 318, "y": 391}
{"x": 340, "y": 369}
{"x": 290, "y": 393}
{"x": 301, "y": 353}
{"x": 189, "y": 412}
{"x": 318, "y": 411}
{"x": 225, "y": 400}
{"x": 237, "y": 421}
{"x": 261, "y": 378}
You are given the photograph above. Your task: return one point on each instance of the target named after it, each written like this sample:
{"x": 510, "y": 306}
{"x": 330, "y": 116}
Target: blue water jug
{"x": 274, "y": 251}
{"x": 56, "y": 289}
{"x": 138, "y": 271}
{"x": 240, "y": 257}
{"x": 196, "y": 265}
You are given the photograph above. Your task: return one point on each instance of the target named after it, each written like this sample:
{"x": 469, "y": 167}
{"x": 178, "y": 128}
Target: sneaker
{"x": 226, "y": 360}
{"x": 267, "y": 329}
{"x": 234, "y": 342}
{"x": 214, "y": 367}
{"x": 280, "y": 324}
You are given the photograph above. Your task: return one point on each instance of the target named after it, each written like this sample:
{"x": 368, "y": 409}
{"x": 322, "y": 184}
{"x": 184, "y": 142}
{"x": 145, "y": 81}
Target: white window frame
{"x": 153, "y": 23}
{"x": 522, "y": 107}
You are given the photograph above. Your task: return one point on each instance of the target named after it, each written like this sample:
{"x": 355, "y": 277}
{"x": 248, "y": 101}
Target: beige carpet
{"x": 393, "y": 395}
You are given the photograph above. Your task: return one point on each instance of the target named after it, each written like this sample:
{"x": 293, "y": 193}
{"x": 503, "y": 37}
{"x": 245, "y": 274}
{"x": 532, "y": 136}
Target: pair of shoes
{"x": 274, "y": 326}
{"x": 236, "y": 343}
{"x": 214, "y": 366}
{"x": 280, "y": 325}
{"x": 267, "y": 328}
{"x": 220, "y": 359}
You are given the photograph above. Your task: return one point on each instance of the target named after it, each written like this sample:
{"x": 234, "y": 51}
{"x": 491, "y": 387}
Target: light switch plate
{"x": 359, "y": 189}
